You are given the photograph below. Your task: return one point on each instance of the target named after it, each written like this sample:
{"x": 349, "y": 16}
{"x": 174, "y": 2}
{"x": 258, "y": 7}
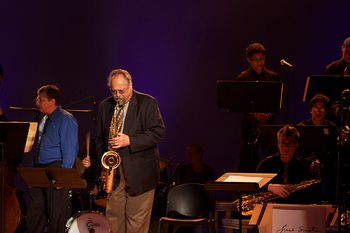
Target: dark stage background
{"x": 175, "y": 51}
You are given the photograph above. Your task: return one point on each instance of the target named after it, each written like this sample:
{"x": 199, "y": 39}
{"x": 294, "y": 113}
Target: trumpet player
{"x": 140, "y": 128}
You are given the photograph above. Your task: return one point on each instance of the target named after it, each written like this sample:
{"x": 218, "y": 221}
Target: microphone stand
{"x": 93, "y": 110}
{"x": 288, "y": 67}
{"x": 287, "y": 82}
{"x": 20, "y": 109}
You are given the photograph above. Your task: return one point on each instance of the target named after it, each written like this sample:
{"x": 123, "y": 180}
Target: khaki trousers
{"x": 129, "y": 214}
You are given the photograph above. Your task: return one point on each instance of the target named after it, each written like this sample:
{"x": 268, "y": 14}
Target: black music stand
{"x": 13, "y": 136}
{"x": 51, "y": 178}
{"x": 250, "y": 96}
{"x": 236, "y": 182}
{"x": 328, "y": 85}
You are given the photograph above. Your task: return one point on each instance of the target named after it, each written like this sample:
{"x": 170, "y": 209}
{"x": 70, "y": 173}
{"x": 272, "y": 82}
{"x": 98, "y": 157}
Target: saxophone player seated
{"x": 290, "y": 170}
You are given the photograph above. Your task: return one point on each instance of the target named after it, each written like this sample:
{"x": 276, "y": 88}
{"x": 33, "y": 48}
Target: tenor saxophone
{"x": 111, "y": 159}
{"x": 249, "y": 201}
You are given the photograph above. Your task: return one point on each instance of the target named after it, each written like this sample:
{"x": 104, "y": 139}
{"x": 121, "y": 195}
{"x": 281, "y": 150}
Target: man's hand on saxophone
{"x": 280, "y": 190}
{"x": 122, "y": 140}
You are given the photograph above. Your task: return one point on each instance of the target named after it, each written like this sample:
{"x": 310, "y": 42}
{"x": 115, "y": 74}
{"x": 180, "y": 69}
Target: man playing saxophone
{"x": 289, "y": 168}
{"x": 141, "y": 128}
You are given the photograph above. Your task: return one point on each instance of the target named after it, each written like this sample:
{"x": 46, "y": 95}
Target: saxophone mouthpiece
{"x": 120, "y": 101}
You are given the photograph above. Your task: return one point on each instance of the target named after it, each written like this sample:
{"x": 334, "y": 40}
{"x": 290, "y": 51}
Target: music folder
{"x": 18, "y": 138}
{"x": 242, "y": 182}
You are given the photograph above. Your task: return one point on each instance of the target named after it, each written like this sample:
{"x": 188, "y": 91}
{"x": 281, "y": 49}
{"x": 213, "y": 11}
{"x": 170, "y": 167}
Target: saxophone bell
{"x": 110, "y": 160}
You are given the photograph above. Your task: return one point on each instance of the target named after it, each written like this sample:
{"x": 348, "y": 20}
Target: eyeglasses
{"x": 114, "y": 92}
{"x": 319, "y": 109}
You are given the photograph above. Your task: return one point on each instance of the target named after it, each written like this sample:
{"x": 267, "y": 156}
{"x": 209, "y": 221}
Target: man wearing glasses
{"x": 289, "y": 168}
{"x": 140, "y": 130}
{"x": 326, "y": 155}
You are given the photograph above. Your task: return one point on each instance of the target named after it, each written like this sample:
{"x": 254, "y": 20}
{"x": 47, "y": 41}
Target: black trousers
{"x": 38, "y": 211}
{"x": 38, "y": 208}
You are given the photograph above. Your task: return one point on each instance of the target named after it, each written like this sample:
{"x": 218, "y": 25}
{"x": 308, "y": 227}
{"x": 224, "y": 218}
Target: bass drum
{"x": 88, "y": 221}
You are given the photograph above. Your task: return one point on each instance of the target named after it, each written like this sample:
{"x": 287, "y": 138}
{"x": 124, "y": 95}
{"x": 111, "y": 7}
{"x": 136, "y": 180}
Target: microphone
{"x": 285, "y": 63}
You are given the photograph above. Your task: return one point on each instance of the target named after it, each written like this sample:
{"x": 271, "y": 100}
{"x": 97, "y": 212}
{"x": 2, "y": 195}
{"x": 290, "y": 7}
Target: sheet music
{"x": 243, "y": 179}
{"x": 31, "y": 136}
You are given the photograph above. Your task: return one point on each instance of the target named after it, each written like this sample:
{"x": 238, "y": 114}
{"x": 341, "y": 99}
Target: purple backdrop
{"x": 174, "y": 50}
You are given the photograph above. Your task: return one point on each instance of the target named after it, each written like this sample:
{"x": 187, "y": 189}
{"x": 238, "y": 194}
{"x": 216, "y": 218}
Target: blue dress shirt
{"x": 59, "y": 141}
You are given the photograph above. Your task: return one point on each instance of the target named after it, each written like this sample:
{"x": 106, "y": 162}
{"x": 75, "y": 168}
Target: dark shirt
{"x": 336, "y": 67}
{"x": 326, "y": 153}
{"x": 187, "y": 175}
{"x": 326, "y": 150}
{"x": 297, "y": 170}
{"x": 251, "y": 75}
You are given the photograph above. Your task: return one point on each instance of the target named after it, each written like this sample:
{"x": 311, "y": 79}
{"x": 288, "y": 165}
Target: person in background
{"x": 57, "y": 147}
{"x": 141, "y": 128}
{"x": 289, "y": 167}
{"x": 323, "y": 161}
{"x": 195, "y": 170}
{"x": 341, "y": 66}
{"x": 257, "y": 71}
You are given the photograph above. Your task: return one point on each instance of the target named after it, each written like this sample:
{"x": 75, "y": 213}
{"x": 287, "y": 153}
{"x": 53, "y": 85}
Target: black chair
{"x": 189, "y": 205}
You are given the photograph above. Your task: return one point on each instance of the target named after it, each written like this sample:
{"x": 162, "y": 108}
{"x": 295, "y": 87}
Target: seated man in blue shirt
{"x": 57, "y": 146}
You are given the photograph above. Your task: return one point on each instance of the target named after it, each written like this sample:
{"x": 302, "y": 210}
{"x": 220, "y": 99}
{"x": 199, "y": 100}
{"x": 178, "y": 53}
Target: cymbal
{"x": 163, "y": 163}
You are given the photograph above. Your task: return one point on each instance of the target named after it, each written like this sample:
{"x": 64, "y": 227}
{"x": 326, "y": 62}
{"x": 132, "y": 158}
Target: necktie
{"x": 42, "y": 126}
{"x": 41, "y": 129}
{"x": 285, "y": 174}
{"x": 119, "y": 119}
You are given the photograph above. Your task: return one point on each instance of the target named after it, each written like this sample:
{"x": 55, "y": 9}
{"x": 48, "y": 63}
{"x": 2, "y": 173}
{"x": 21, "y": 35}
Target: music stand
{"x": 328, "y": 85}
{"x": 250, "y": 96}
{"x": 51, "y": 178}
{"x": 13, "y": 136}
{"x": 240, "y": 182}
